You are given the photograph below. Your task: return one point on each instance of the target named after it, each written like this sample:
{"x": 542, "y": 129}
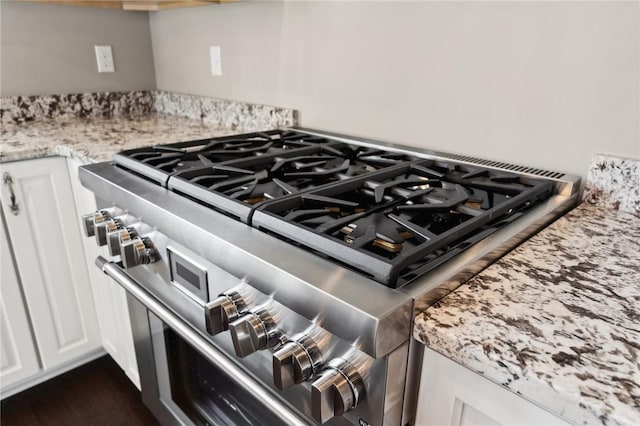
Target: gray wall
{"x": 48, "y": 49}
{"x": 538, "y": 83}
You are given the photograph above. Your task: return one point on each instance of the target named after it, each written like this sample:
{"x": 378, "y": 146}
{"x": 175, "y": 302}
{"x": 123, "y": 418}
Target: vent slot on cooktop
{"x": 500, "y": 165}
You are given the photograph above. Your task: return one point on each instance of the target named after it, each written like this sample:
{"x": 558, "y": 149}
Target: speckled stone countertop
{"x": 557, "y": 320}
{"x": 94, "y": 126}
{"x": 97, "y": 139}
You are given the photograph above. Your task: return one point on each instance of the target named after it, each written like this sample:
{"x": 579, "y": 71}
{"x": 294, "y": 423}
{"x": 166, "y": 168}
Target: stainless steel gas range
{"x": 273, "y": 277}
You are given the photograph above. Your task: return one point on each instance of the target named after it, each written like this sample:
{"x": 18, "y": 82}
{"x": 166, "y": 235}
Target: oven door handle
{"x": 199, "y": 343}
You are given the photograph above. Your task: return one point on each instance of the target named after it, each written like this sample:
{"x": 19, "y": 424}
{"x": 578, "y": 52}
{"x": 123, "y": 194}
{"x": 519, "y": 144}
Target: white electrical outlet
{"x": 104, "y": 58}
{"x": 216, "y": 60}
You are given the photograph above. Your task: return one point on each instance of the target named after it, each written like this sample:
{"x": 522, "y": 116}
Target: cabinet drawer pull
{"x": 8, "y": 180}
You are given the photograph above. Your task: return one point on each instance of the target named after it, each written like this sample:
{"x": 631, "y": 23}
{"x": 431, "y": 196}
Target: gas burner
{"x": 415, "y": 213}
{"x": 257, "y": 180}
{"x": 373, "y": 156}
{"x": 158, "y": 162}
{"x": 377, "y": 230}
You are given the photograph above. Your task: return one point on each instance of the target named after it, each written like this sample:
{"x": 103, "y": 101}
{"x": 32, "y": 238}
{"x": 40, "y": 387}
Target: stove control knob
{"x": 103, "y": 228}
{"x": 296, "y": 361}
{"x": 88, "y": 224}
{"x": 338, "y": 390}
{"x": 138, "y": 251}
{"x": 253, "y": 332}
{"x": 115, "y": 238}
{"x": 90, "y": 220}
{"x": 223, "y": 310}
{"x": 110, "y": 225}
{"x": 126, "y": 230}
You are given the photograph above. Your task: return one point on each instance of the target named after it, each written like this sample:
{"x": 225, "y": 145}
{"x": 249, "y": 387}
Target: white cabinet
{"x": 110, "y": 298}
{"x": 451, "y": 394}
{"x": 39, "y": 213}
{"x": 19, "y": 358}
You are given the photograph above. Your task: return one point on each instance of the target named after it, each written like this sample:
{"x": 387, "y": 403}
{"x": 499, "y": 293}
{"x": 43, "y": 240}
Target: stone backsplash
{"x": 213, "y": 112}
{"x": 614, "y": 182}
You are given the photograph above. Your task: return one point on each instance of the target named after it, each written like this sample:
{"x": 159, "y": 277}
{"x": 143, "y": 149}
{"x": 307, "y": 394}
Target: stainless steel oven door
{"x": 185, "y": 380}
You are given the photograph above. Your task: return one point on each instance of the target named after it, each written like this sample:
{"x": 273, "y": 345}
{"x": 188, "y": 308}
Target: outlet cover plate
{"x": 216, "y": 60}
{"x": 104, "y": 58}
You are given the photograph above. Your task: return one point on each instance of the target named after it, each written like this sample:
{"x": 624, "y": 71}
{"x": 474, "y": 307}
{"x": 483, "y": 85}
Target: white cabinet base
{"x": 19, "y": 354}
{"x": 47, "y": 318}
{"x": 453, "y": 395}
{"x": 47, "y": 249}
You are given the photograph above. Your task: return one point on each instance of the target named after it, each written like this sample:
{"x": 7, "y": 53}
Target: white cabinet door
{"x": 19, "y": 357}
{"x": 451, "y": 394}
{"x": 48, "y": 250}
{"x": 110, "y": 298}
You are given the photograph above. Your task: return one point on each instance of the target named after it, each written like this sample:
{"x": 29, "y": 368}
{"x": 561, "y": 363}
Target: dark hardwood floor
{"x": 97, "y": 393}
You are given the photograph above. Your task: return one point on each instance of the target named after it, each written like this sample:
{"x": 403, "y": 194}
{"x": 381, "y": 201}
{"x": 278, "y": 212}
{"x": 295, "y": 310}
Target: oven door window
{"x": 203, "y": 392}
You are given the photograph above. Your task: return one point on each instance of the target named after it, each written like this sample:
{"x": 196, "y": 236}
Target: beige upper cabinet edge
{"x": 139, "y": 5}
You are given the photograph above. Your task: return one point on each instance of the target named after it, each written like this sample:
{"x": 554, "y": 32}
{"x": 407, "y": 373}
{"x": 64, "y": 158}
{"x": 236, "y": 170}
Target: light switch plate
{"x": 104, "y": 58}
{"x": 216, "y": 60}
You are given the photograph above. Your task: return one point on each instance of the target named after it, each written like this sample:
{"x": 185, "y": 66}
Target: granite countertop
{"x": 557, "y": 320}
{"x": 97, "y": 139}
{"x": 93, "y": 126}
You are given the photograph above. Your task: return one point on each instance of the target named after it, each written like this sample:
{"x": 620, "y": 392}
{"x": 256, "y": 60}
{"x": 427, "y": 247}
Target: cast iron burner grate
{"x": 238, "y": 187}
{"x": 159, "y": 162}
{"x": 397, "y": 224}
{"x": 388, "y": 215}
